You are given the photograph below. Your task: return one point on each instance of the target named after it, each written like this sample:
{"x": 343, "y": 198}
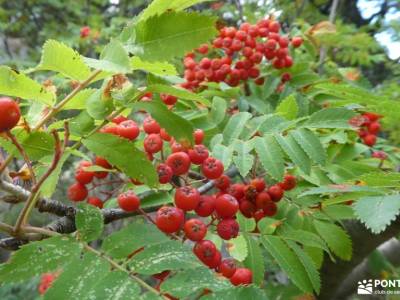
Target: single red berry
{"x": 198, "y": 136}
{"x": 283, "y": 42}
{"x": 153, "y": 143}
{"x": 297, "y": 41}
{"x": 177, "y": 147}
{"x": 83, "y": 176}
{"x": 274, "y": 26}
{"x": 205, "y": 63}
{"x": 169, "y": 219}
{"x": 95, "y": 202}
{"x": 374, "y": 127}
{"x": 372, "y": 116}
{"x": 169, "y": 99}
{"x": 195, "y": 229}
{"x": 236, "y": 190}
{"x": 198, "y": 154}
{"x": 119, "y": 119}
{"x": 206, "y": 206}
{"x": 212, "y": 168}
{"x": 263, "y": 200}
{"x": 128, "y": 129}
{"x": 270, "y": 209}
{"x": 242, "y": 276}
{"x": 187, "y": 198}
{"x": 150, "y": 125}
{"x": 164, "y": 173}
{"x": 215, "y": 261}
{"x": 247, "y": 208}
{"x": 228, "y": 229}
{"x": 226, "y": 206}
{"x": 259, "y": 184}
{"x": 286, "y": 77}
{"x": 205, "y": 250}
{"x": 258, "y": 215}
{"x": 276, "y": 193}
{"x": 128, "y": 201}
{"x": 203, "y": 49}
{"x": 179, "y": 162}
{"x": 110, "y": 128}
{"x": 85, "y": 32}
{"x": 77, "y": 192}
{"x": 288, "y": 61}
{"x": 100, "y": 161}
{"x": 227, "y": 267}
{"x": 369, "y": 140}
{"x": 289, "y": 182}
{"x": 9, "y": 114}
{"x": 164, "y": 135}
{"x": 223, "y": 182}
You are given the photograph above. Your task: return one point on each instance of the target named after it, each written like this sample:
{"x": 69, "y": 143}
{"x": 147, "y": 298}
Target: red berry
{"x": 371, "y": 116}
{"x": 206, "y": 206}
{"x": 150, "y": 125}
{"x": 374, "y": 127}
{"x": 270, "y": 209}
{"x": 379, "y": 154}
{"x": 169, "y": 219}
{"x": 119, "y": 119}
{"x": 259, "y": 214}
{"x": 164, "y": 135}
{"x": 259, "y": 184}
{"x": 236, "y": 190}
{"x": 228, "y": 229}
{"x": 168, "y": 99}
{"x": 250, "y": 192}
{"x": 82, "y": 176}
{"x": 263, "y": 200}
{"x": 85, "y": 31}
{"x": 226, "y": 206}
{"x": 205, "y": 63}
{"x": 205, "y": 250}
{"x": 276, "y": 193}
{"x": 247, "y": 208}
{"x": 286, "y": 77}
{"x": 198, "y": 154}
{"x": 241, "y": 35}
{"x": 110, "y": 128}
{"x": 289, "y": 182}
{"x": 77, "y": 192}
{"x": 176, "y": 147}
{"x": 128, "y": 201}
{"x": 164, "y": 173}
{"x": 203, "y": 49}
{"x": 9, "y": 114}
{"x": 223, "y": 182}
{"x": 212, "y": 168}
{"x": 297, "y": 41}
{"x": 288, "y": 61}
{"x": 369, "y": 140}
{"x": 187, "y": 198}
{"x": 100, "y": 161}
{"x": 128, "y": 129}
{"x": 274, "y": 26}
{"x": 198, "y": 136}
{"x": 283, "y": 42}
{"x": 215, "y": 261}
{"x": 153, "y": 143}
{"x": 259, "y": 81}
{"x": 179, "y": 162}
{"x": 242, "y": 276}
{"x": 195, "y": 229}
{"x": 95, "y": 202}
{"x": 227, "y": 267}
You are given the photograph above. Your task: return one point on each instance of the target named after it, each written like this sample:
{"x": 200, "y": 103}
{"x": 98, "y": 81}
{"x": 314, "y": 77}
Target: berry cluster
{"x": 46, "y": 281}
{"x": 237, "y": 53}
{"x": 369, "y": 128}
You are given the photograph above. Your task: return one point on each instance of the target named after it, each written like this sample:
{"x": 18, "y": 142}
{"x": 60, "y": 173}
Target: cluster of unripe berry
{"x": 236, "y": 54}
{"x": 369, "y": 128}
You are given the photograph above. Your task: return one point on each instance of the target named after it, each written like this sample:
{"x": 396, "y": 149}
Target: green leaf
{"x": 235, "y": 126}
{"x": 89, "y": 222}
{"x": 238, "y": 293}
{"x": 308, "y": 264}
{"x": 172, "y": 34}
{"x": 336, "y": 238}
{"x": 223, "y": 153}
{"x": 377, "y": 212}
{"x": 242, "y": 158}
{"x": 157, "y": 68}
{"x": 60, "y": 58}
{"x": 311, "y": 144}
{"x": 295, "y": 152}
{"x": 381, "y": 179}
{"x": 156, "y": 199}
{"x": 82, "y": 124}
{"x": 270, "y": 155}
{"x": 36, "y": 258}
{"x": 78, "y": 278}
{"x": 99, "y": 106}
{"x": 15, "y": 84}
{"x": 158, "y": 7}
{"x": 288, "y": 108}
{"x": 190, "y": 281}
{"x": 171, "y": 255}
{"x": 123, "y": 154}
{"x": 113, "y": 58}
{"x": 254, "y": 260}
{"x": 218, "y": 110}
{"x": 330, "y": 118}
{"x": 176, "y": 126}
{"x": 134, "y": 236}
{"x": 177, "y": 92}
{"x": 79, "y": 100}
{"x": 288, "y": 261}
{"x": 304, "y": 237}
{"x": 237, "y": 248}
{"x": 339, "y": 188}
{"x": 245, "y": 224}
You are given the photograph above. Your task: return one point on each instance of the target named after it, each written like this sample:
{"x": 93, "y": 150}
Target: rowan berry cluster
{"x": 236, "y": 55}
{"x": 369, "y": 128}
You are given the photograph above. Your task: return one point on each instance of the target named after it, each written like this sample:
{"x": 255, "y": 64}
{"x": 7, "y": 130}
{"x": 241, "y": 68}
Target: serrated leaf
{"x": 60, "y": 58}
{"x": 39, "y": 257}
{"x": 270, "y": 155}
{"x": 177, "y": 92}
{"x": 123, "y": 154}
{"x": 158, "y": 7}
{"x": 82, "y": 124}
{"x": 223, "y": 153}
{"x": 171, "y": 255}
{"x": 176, "y": 126}
{"x": 382, "y": 179}
{"x": 274, "y": 123}
{"x": 89, "y": 222}
{"x": 311, "y": 144}
{"x": 254, "y": 260}
{"x": 190, "y": 281}
{"x": 308, "y": 265}
{"x": 252, "y": 127}
{"x": 288, "y": 261}
{"x": 113, "y": 58}
{"x": 235, "y": 126}
{"x": 237, "y": 248}
{"x": 16, "y": 84}
{"x": 98, "y": 106}
{"x": 242, "y": 158}
{"x": 377, "y": 212}
{"x": 172, "y": 34}
{"x": 78, "y": 277}
{"x": 295, "y": 152}
{"x": 336, "y": 238}
{"x": 288, "y": 108}
{"x": 157, "y": 68}
{"x": 339, "y": 188}
{"x": 304, "y": 237}
{"x": 134, "y": 236}
{"x": 238, "y": 293}
{"x": 330, "y": 118}
{"x": 79, "y": 100}
{"x": 245, "y": 224}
